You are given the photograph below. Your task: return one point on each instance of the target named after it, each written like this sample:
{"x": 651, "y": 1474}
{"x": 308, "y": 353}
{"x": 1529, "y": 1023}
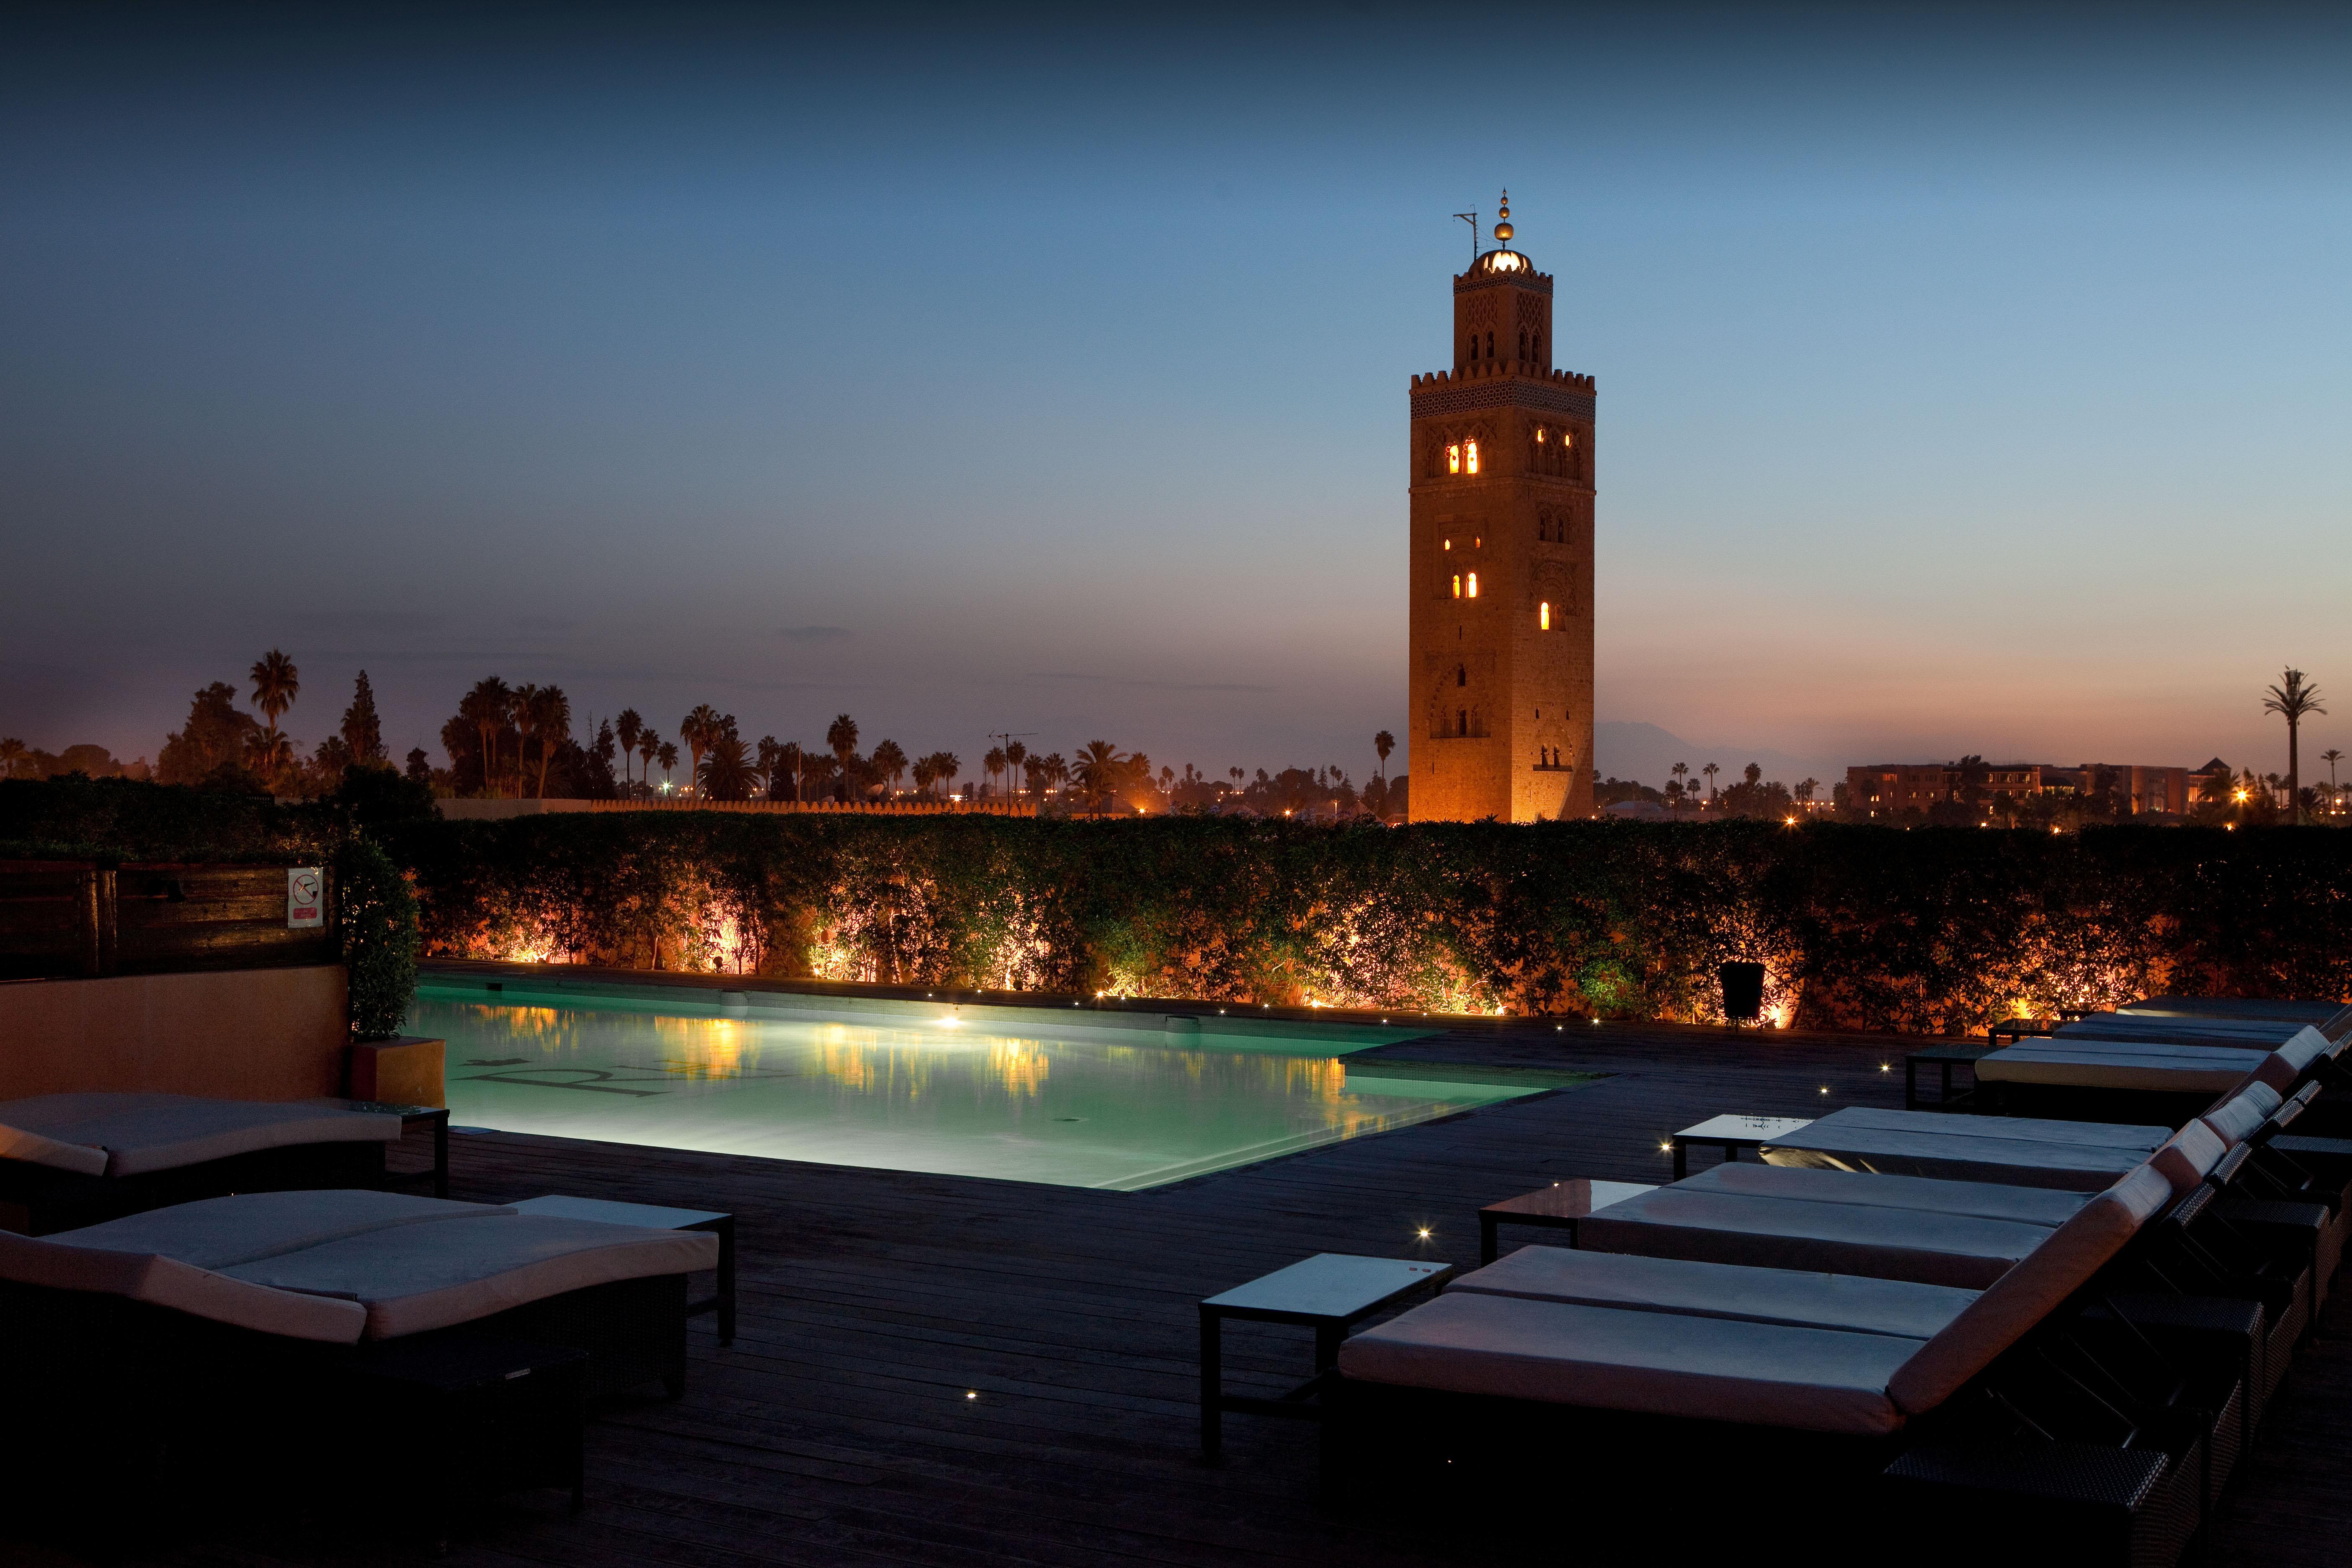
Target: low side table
{"x": 1557, "y": 1206}
{"x": 1329, "y": 1292}
{"x": 411, "y": 1117}
{"x": 1945, "y": 1058}
{"x": 1731, "y": 1134}
{"x": 605, "y": 1211}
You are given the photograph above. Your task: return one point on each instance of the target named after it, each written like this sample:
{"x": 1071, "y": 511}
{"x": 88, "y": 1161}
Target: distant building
{"x": 1887, "y": 790}
{"x": 1501, "y": 557}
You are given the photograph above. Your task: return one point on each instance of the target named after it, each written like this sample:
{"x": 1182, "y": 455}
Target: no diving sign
{"x": 303, "y": 911}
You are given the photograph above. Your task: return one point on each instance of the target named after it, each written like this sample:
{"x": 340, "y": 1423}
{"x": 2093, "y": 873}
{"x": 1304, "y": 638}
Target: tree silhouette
{"x": 628, "y": 727}
{"x": 699, "y": 729}
{"x": 945, "y": 765}
{"x": 1710, "y": 770}
{"x": 724, "y": 771}
{"x": 363, "y": 730}
{"x": 2293, "y": 700}
{"x": 648, "y": 748}
{"x": 550, "y": 722}
{"x": 841, "y": 738}
{"x": 790, "y": 760}
{"x": 2331, "y": 757}
{"x": 993, "y": 763}
{"x": 275, "y": 684}
{"x": 524, "y": 706}
{"x": 486, "y": 709}
{"x": 12, "y": 753}
{"x": 1384, "y": 743}
{"x": 1099, "y": 771}
{"x": 891, "y": 763}
{"x": 1015, "y": 753}
{"x": 668, "y": 756}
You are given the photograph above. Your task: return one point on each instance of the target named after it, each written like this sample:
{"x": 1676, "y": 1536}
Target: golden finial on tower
{"x": 1503, "y": 229}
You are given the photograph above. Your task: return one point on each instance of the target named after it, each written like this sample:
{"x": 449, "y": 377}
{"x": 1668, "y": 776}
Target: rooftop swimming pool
{"x": 1123, "y": 1101}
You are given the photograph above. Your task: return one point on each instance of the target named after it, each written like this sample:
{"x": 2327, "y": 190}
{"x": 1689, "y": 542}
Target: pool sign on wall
{"x": 303, "y": 911}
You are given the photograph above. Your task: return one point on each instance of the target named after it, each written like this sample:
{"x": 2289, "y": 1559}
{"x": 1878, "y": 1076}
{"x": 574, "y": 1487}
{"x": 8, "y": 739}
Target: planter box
{"x": 406, "y": 1071}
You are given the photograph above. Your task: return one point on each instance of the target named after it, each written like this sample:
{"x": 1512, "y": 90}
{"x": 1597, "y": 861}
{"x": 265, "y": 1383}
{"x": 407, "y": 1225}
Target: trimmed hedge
{"x": 1935, "y": 931}
{"x": 128, "y": 819}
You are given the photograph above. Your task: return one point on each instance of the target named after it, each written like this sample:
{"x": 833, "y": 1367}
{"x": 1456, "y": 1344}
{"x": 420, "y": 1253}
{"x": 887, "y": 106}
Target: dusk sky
{"x": 1974, "y": 381}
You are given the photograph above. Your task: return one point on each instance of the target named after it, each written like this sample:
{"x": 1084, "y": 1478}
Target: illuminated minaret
{"x": 1501, "y": 693}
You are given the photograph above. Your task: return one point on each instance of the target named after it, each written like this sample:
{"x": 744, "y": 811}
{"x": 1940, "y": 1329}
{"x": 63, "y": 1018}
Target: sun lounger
{"x": 2011, "y": 1150}
{"x": 2330, "y": 1018}
{"x": 71, "y": 1160}
{"x": 1798, "y": 1415}
{"x": 344, "y": 1267}
{"x": 2099, "y": 1077}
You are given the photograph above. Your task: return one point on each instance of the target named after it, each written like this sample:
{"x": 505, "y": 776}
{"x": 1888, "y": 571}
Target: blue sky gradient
{"x": 1970, "y": 380}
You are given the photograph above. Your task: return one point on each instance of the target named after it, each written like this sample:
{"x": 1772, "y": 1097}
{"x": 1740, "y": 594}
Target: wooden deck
{"x": 943, "y": 1371}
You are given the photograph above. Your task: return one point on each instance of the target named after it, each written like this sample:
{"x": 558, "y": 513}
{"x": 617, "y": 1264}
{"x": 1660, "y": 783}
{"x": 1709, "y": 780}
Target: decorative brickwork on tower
{"x": 1501, "y": 695}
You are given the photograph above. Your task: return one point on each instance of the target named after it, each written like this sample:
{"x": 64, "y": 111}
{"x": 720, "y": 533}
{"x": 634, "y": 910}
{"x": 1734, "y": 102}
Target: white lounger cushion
{"x": 2140, "y": 1141}
{"x": 1971, "y": 1158}
{"x": 221, "y": 1233}
{"x": 2235, "y": 1119}
{"x": 2029, "y": 1292}
{"x": 37, "y": 1149}
{"x": 2187, "y": 1155}
{"x": 1783, "y": 1296}
{"x": 2331, "y": 1019}
{"x": 1827, "y": 1238}
{"x": 2267, "y": 1035}
{"x": 166, "y": 1282}
{"x": 2165, "y": 1070}
{"x": 1712, "y": 1369}
{"x": 1987, "y": 1200}
{"x": 413, "y": 1278}
{"x": 144, "y": 1132}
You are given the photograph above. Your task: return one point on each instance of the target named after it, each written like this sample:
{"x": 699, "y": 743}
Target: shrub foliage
{"x": 1935, "y": 931}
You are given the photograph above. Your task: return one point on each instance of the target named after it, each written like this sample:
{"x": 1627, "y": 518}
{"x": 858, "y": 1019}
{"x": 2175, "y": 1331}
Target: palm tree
{"x": 668, "y": 756}
{"x": 945, "y": 765}
{"x": 890, "y": 761}
{"x": 841, "y": 738}
{"x": 269, "y": 754}
{"x": 724, "y": 770}
{"x": 648, "y": 747}
{"x": 2331, "y": 757}
{"x": 275, "y": 684}
{"x": 551, "y": 721}
{"x": 1384, "y": 743}
{"x": 486, "y": 707}
{"x": 698, "y": 730}
{"x": 768, "y": 755}
{"x": 1805, "y": 788}
{"x": 1100, "y": 771}
{"x": 1710, "y": 770}
{"x": 788, "y": 761}
{"x": 12, "y": 752}
{"x": 1057, "y": 772}
{"x": 2293, "y": 701}
{"x": 925, "y": 775}
{"x": 525, "y": 708}
{"x": 1015, "y": 753}
{"x": 628, "y": 727}
{"x": 993, "y": 763}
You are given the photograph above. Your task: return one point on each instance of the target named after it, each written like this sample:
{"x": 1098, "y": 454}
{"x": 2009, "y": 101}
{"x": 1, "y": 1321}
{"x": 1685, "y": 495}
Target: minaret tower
{"x": 1501, "y": 692}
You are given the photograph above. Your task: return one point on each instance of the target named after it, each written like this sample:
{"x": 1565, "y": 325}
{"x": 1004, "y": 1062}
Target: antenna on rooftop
{"x": 1471, "y": 219}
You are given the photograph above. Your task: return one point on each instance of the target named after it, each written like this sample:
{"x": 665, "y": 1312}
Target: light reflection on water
{"x": 1074, "y": 1111}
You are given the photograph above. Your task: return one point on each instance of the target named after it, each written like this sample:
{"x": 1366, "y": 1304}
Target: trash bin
{"x": 1743, "y": 991}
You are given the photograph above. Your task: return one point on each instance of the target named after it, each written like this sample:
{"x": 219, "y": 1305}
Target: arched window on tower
{"x": 1537, "y": 355}
{"x": 1523, "y": 345}
{"x": 1462, "y": 720}
{"x": 1470, "y": 457}
{"x": 1474, "y": 347}
{"x": 1454, "y": 457}
{"x": 1473, "y": 586}
{"x": 1458, "y": 585}
{"x": 1461, "y": 675}
{"x": 1543, "y": 617}
{"x": 1490, "y": 345}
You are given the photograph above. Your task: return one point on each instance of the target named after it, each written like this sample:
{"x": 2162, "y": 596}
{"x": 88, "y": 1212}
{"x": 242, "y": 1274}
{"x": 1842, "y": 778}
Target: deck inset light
{"x": 972, "y": 1393}
{"x": 1425, "y": 1233}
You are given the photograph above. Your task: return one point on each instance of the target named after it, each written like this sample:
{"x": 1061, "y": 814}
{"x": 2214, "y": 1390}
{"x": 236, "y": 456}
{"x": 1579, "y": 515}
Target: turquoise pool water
{"x": 917, "y": 1089}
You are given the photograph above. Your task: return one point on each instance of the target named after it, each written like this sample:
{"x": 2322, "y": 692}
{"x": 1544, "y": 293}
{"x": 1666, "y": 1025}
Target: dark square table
{"x": 1557, "y": 1206}
{"x": 1329, "y": 1292}
{"x": 606, "y": 1211}
{"x": 1945, "y": 1058}
{"x": 411, "y": 1117}
{"x": 1731, "y": 1134}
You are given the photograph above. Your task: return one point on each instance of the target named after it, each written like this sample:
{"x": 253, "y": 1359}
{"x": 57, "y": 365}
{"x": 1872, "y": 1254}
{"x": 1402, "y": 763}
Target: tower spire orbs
{"x": 1503, "y": 230}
